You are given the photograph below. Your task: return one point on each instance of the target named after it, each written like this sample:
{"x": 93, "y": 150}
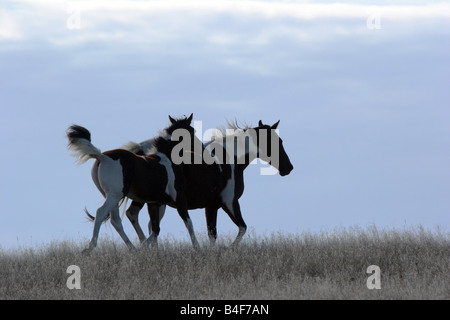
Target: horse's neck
{"x": 242, "y": 154}
{"x": 232, "y": 155}
{"x": 163, "y": 146}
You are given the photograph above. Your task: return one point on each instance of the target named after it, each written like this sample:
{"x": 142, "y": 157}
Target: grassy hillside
{"x": 414, "y": 264}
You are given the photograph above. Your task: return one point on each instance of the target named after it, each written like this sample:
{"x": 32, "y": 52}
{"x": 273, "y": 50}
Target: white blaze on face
{"x": 227, "y": 194}
{"x": 170, "y": 187}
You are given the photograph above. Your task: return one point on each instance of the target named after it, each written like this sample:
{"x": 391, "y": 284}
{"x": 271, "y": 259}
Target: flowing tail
{"x": 80, "y": 144}
{"x": 82, "y": 148}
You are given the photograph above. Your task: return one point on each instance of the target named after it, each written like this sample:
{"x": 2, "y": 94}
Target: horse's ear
{"x": 275, "y": 125}
{"x": 260, "y": 124}
{"x": 172, "y": 120}
{"x": 190, "y": 117}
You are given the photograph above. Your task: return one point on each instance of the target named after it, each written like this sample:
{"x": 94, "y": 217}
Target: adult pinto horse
{"x": 217, "y": 181}
{"x": 120, "y": 173}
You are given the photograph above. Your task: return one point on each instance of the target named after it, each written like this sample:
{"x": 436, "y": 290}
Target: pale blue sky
{"x": 364, "y": 112}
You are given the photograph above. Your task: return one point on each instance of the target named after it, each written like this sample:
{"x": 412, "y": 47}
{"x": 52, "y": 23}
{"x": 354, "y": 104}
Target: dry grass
{"x": 414, "y": 264}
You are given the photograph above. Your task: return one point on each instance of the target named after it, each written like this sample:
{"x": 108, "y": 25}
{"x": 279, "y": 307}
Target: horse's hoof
{"x": 86, "y": 251}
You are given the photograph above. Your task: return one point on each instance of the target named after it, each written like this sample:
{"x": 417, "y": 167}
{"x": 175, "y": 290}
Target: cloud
{"x": 156, "y": 22}
{"x": 263, "y": 38}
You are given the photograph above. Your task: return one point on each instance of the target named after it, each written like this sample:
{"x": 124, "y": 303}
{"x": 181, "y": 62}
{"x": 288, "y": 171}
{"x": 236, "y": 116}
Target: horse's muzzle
{"x": 286, "y": 171}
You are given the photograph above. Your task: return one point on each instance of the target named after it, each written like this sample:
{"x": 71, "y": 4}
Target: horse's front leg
{"x": 184, "y": 214}
{"x": 211, "y": 222}
{"x": 234, "y": 212}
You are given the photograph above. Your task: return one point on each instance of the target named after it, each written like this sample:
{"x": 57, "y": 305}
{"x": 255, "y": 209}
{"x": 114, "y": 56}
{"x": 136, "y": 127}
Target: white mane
{"x": 145, "y": 146}
{"x": 233, "y": 129}
{"x": 239, "y": 149}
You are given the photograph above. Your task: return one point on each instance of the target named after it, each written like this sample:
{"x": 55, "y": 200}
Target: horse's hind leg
{"x": 156, "y": 213}
{"x": 117, "y": 224}
{"x": 109, "y": 204}
{"x": 133, "y": 216}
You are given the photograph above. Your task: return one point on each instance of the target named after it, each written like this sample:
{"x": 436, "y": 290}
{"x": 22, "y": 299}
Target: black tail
{"x": 80, "y": 144}
{"x": 75, "y": 132}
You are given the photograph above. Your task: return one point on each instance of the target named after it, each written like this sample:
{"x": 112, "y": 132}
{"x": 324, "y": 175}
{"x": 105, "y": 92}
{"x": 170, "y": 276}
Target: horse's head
{"x": 165, "y": 142}
{"x": 270, "y": 148}
{"x": 180, "y": 123}
{"x": 183, "y": 145}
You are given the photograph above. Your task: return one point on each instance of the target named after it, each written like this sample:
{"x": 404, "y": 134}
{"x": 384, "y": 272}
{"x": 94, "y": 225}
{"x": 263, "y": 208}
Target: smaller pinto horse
{"x": 144, "y": 148}
{"x": 120, "y": 173}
